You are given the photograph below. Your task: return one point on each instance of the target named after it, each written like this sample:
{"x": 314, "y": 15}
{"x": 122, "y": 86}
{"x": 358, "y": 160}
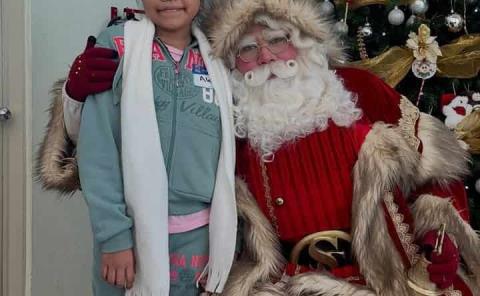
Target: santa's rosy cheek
{"x": 244, "y": 67}
{"x": 290, "y": 54}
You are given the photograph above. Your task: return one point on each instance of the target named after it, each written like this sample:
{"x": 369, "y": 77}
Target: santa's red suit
{"x": 385, "y": 180}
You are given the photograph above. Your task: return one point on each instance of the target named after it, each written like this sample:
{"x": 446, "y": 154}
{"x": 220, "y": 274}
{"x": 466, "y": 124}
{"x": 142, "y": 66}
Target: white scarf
{"x": 144, "y": 173}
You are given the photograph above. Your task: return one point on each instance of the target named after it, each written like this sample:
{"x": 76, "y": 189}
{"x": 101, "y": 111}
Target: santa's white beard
{"x": 280, "y": 110}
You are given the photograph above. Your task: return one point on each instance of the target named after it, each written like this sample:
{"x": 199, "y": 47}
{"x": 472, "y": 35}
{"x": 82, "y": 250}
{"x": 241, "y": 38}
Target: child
{"x": 156, "y": 157}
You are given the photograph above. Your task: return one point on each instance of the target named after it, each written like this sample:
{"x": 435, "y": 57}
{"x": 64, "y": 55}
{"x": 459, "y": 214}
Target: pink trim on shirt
{"x": 175, "y": 53}
{"x": 184, "y": 223}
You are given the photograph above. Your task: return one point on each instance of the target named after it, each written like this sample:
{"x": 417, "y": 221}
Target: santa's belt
{"x": 324, "y": 249}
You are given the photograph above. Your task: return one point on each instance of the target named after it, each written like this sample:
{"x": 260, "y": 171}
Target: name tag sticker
{"x": 199, "y": 69}
{"x": 202, "y": 80}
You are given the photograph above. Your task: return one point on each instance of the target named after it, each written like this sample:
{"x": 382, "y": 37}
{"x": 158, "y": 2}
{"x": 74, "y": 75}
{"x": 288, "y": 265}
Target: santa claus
{"x": 345, "y": 188}
{"x": 356, "y": 184}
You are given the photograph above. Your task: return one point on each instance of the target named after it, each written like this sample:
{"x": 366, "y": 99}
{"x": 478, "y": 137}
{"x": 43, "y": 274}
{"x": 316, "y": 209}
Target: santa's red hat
{"x": 225, "y": 21}
{"x": 446, "y": 99}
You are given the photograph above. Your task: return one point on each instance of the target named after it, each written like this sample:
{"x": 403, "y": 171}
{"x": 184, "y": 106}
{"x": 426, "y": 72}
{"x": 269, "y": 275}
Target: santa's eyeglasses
{"x": 251, "y": 52}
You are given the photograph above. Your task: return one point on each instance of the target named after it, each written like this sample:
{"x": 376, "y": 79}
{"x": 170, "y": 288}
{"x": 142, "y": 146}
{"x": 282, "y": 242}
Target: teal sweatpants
{"x": 188, "y": 257}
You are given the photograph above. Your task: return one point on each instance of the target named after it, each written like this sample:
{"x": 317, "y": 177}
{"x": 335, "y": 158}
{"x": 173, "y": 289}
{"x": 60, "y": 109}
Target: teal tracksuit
{"x": 190, "y": 132}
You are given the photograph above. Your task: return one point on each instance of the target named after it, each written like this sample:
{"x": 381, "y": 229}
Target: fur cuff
{"x": 56, "y": 166}
{"x": 442, "y": 159}
{"x": 262, "y": 259}
{"x": 429, "y": 212}
{"x": 385, "y": 161}
{"x": 316, "y": 283}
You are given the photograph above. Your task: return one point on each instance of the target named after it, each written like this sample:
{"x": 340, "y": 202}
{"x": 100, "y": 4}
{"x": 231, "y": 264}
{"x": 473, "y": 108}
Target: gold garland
{"x": 354, "y": 4}
{"x": 460, "y": 59}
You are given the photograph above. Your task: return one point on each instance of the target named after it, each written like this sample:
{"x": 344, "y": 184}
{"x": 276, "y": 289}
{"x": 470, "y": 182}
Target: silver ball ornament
{"x": 454, "y": 22}
{"x": 366, "y": 30}
{"x": 419, "y": 6}
{"x": 341, "y": 27}
{"x": 396, "y": 16}
{"x": 327, "y": 8}
{"x": 411, "y": 20}
{"x": 477, "y": 185}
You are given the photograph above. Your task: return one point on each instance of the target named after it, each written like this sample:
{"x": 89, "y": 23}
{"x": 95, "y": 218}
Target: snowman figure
{"x": 455, "y": 108}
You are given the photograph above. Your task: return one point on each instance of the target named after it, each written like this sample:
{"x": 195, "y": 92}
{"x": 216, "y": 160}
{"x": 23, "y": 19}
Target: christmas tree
{"x": 429, "y": 50}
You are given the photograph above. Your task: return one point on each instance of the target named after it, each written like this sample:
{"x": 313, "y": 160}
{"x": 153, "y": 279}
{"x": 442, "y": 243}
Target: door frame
{"x": 16, "y": 150}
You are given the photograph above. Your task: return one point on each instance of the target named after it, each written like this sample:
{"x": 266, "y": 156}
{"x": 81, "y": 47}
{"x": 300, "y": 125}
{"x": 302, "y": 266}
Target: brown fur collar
{"x": 226, "y": 20}
{"x": 56, "y": 166}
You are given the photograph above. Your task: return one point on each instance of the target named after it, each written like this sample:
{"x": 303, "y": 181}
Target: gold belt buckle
{"x": 325, "y": 258}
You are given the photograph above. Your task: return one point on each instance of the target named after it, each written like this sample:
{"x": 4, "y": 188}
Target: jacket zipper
{"x": 175, "y": 103}
{"x": 174, "y": 116}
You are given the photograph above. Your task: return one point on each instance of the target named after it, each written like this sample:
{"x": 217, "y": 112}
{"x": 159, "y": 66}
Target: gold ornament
{"x": 363, "y": 32}
{"x": 423, "y": 45}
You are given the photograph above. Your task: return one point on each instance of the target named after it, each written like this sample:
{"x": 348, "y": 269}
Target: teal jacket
{"x": 190, "y": 132}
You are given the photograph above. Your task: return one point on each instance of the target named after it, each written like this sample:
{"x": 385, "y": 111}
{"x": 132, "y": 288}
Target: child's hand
{"x": 119, "y": 268}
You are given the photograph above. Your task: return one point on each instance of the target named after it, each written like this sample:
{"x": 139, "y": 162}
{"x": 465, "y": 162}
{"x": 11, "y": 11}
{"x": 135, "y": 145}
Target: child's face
{"x": 172, "y": 15}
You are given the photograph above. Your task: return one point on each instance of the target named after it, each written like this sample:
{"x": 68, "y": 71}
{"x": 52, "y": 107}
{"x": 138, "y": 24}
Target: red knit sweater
{"x": 308, "y": 186}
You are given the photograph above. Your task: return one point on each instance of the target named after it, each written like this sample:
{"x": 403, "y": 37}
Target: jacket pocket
{"x": 194, "y": 164}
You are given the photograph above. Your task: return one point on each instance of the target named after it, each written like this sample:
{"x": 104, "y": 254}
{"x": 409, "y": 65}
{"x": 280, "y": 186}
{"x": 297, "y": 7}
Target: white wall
{"x": 61, "y": 232}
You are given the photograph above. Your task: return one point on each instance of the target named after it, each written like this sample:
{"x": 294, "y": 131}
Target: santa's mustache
{"x": 280, "y": 69}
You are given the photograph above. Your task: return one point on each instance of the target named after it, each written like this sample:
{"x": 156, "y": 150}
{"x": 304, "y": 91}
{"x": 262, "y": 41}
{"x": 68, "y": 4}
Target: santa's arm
{"x": 442, "y": 161}
{"x": 56, "y": 162}
{"x": 72, "y": 114}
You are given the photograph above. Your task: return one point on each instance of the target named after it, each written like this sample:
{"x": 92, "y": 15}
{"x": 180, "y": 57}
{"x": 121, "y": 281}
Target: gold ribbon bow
{"x": 460, "y": 59}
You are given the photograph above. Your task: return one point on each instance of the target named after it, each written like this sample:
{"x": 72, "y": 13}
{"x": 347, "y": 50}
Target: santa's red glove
{"x": 92, "y": 71}
{"x": 444, "y": 266}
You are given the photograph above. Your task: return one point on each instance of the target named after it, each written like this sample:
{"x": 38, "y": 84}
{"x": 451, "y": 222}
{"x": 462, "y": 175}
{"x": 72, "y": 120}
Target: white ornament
{"x": 366, "y": 30}
{"x": 341, "y": 27}
{"x": 327, "y": 8}
{"x": 476, "y": 97}
{"x": 411, "y": 20}
{"x": 454, "y": 22}
{"x": 424, "y": 69}
{"x": 419, "y": 6}
{"x": 396, "y": 16}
